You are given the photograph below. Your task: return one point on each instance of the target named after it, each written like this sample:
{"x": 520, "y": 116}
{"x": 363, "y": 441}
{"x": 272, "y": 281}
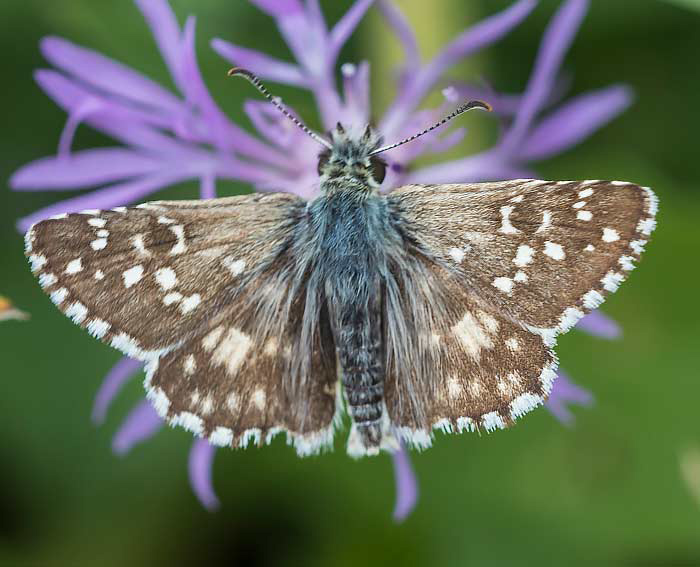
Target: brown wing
{"x": 518, "y": 262}
{"x": 156, "y": 280}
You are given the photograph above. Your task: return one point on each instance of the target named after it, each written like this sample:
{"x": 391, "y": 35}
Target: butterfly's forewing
{"x": 529, "y": 258}
{"x": 166, "y": 282}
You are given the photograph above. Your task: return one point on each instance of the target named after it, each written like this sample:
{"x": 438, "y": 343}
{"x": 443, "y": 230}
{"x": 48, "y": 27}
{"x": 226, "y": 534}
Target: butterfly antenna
{"x": 461, "y": 110}
{"x": 277, "y": 102}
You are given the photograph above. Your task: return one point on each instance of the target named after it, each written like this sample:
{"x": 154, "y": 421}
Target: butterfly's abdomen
{"x": 361, "y": 356}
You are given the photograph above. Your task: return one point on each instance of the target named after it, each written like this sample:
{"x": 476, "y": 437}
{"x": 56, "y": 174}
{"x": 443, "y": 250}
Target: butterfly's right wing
{"x": 499, "y": 270}
{"x": 180, "y": 285}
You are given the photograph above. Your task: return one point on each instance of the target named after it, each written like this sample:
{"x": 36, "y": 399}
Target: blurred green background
{"x": 622, "y": 487}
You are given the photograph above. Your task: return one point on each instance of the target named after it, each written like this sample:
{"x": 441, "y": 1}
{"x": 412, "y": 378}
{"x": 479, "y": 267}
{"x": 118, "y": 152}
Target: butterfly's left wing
{"x": 517, "y": 263}
{"x": 195, "y": 289}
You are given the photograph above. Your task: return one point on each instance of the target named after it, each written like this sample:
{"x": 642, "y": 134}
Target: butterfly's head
{"x": 349, "y": 160}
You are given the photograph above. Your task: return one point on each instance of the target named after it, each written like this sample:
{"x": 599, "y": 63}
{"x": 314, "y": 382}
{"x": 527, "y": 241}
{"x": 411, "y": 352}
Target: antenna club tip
{"x": 239, "y": 71}
{"x": 480, "y": 104}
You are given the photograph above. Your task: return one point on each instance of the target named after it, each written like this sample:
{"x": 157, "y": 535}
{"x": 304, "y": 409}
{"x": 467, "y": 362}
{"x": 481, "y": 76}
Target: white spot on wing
{"x": 585, "y": 193}
{"x": 221, "y": 437}
{"x": 473, "y": 335}
{"x": 232, "y": 350}
{"x": 190, "y": 303}
{"x": 98, "y": 327}
{"x": 504, "y": 284}
{"x": 554, "y": 250}
{"x": 592, "y": 299}
{"x": 99, "y": 275}
{"x": 492, "y": 421}
{"x": 638, "y": 246}
{"x": 579, "y": 204}
{"x": 584, "y": 215}
{"x": 98, "y": 244}
{"x": 506, "y": 226}
{"x": 173, "y": 297}
{"x": 166, "y": 278}
{"x": 47, "y": 280}
{"x": 140, "y": 245}
{"x": 258, "y": 399}
{"x": 189, "y": 365}
{"x": 646, "y": 226}
{"x": 59, "y": 295}
{"x": 457, "y": 254}
{"x": 212, "y": 338}
{"x": 546, "y": 221}
{"x": 179, "y": 232}
{"x": 612, "y": 281}
{"x": 74, "y": 266}
{"x": 627, "y": 263}
{"x": 132, "y": 275}
{"x": 97, "y": 222}
{"x": 610, "y": 235}
{"x": 513, "y": 344}
{"x": 520, "y": 277}
{"x": 523, "y": 404}
{"x": 233, "y": 266}
{"x": 77, "y": 311}
{"x": 454, "y": 388}
{"x": 37, "y": 261}
{"x": 523, "y": 256}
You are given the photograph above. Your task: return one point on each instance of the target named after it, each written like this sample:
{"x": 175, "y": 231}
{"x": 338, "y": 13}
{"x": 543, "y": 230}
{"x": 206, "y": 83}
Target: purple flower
{"x": 166, "y": 137}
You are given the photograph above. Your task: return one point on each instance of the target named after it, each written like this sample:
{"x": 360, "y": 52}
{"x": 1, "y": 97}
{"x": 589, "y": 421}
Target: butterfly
{"x": 432, "y": 307}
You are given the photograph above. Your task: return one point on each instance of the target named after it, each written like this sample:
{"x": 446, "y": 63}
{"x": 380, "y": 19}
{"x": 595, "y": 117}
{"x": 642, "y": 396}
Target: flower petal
{"x": 200, "y": 465}
{"x": 166, "y": 31}
{"x": 477, "y": 37}
{"x": 105, "y": 198}
{"x": 555, "y": 43}
{"x": 402, "y": 28}
{"x": 600, "y": 325}
{"x": 277, "y": 8}
{"x": 406, "y": 485}
{"x": 107, "y": 74}
{"x": 346, "y": 25}
{"x": 207, "y": 187}
{"x": 111, "y": 385}
{"x": 198, "y": 94}
{"x": 140, "y": 425}
{"x": 575, "y": 121}
{"x": 83, "y": 169}
{"x": 485, "y": 166}
{"x": 564, "y": 392}
{"x": 356, "y": 108}
{"x": 263, "y": 65}
{"x": 121, "y": 122}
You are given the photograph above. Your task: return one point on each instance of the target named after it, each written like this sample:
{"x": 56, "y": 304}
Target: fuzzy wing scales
{"x": 180, "y": 286}
{"x": 508, "y": 266}
{"x": 543, "y": 253}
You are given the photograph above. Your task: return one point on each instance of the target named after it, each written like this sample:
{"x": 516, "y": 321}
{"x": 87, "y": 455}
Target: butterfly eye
{"x": 322, "y": 161}
{"x": 378, "y": 168}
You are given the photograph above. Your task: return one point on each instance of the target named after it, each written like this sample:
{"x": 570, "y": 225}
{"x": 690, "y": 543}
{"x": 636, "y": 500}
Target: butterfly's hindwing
{"x": 178, "y": 284}
{"x": 507, "y": 266}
